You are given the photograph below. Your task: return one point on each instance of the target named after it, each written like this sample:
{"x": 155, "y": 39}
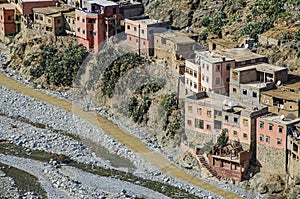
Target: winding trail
{"x": 132, "y": 142}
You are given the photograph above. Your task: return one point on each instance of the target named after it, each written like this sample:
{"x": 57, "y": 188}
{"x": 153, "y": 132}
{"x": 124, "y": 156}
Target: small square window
{"x": 217, "y": 80}
{"x": 279, "y": 141}
{"x": 268, "y": 139}
{"x": 226, "y": 117}
{"x": 218, "y": 68}
{"x": 261, "y": 125}
{"x": 134, "y": 29}
{"x": 208, "y": 127}
{"x": 227, "y": 79}
{"x": 78, "y": 18}
{"x": 199, "y": 111}
{"x": 208, "y": 113}
{"x": 235, "y": 120}
{"x": 207, "y": 67}
{"x": 190, "y": 109}
{"x": 83, "y": 31}
{"x": 225, "y": 130}
{"x": 189, "y": 122}
{"x": 245, "y": 135}
{"x": 83, "y": 20}
{"x": 254, "y": 94}
{"x": 207, "y": 79}
{"x": 195, "y": 74}
{"x": 203, "y": 77}
{"x": 270, "y": 127}
{"x": 244, "y": 91}
{"x": 245, "y": 122}
{"x": 228, "y": 66}
{"x": 234, "y": 90}
{"x": 143, "y": 31}
{"x": 261, "y": 137}
{"x": 78, "y": 29}
{"x": 235, "y": 133}
{"x": 280, "y": 129}
{"x": 128, "y": 27}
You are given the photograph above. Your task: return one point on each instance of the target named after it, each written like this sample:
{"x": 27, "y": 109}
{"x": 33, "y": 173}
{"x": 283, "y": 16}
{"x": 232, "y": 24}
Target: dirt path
{"x": 132, "y": 142}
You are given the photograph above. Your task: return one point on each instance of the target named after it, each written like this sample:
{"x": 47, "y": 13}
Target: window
{"x": 202, "y": 65}
{"x": 208, "y": 127}
{"x": 91, "y": 20}
{"x": 227, "y": 79}
{"x": 225, "y": 130}
{"x": 195, "y": 85}
{"x": 189, "y": 122}
{"x": 134, "y": 29}
{"x": 280, "y": 129}
{"x": 199, "y": 123}
{"x": 129, "y": 38}
{"x": 235, "y": 120}
{"x": 144, "y": 43}
{"x": 78, "y": 29}
{"x": 244, "y": 91}
{"x": 268, "y": 139}
{"x": 207, "y": 67}
{"x": 83, "y": 31}
{"x": 235, "y": 133}
{"x": 208, "y": 113}
{"x": 261, "y": 125}
{"x": 261, "y": 137}
{"x": 279, "y": 141}
{"x": 270, "y": 127}
{"x": 128, "y": 27}
{"x": 199, "y": 111}
{"x": 143, "y": 31}
{"x": 73, "y": 22}
{"x": 190, "y": 109}
{"x": 228, "y": 67}
{"x": 195, "y": 74}
{"x": 245, "y": 122}
{"x": 9, "y": 18}
{"x": 49, "y": 20}
{"x": 78, "y": 18}
{"x": 58, "y": 21}
{"x": 226, "y": 117}
{"x": 136, "y": 40}
{"x": 207, "y": 79}
{"x": 254, "y": 94}
{"x": 202, "y": 77}
{"x": 234, "y": 90}
{"x": 245, "y": 135}
{"x": 83, "y": 20}
{"x": 218, "y": 68}
{"x": 218, "y": 80}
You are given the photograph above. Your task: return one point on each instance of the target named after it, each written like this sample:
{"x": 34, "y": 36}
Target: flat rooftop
{"x": 240, "y": 54}
{"x": 256, "y": 84}
{"x": 176, "y": 37}
{"x": 39, "y": 0}
{"x": 213, "y": 57}
{"x": 289, "y": 91}
{"x": 51, "y": 10}
{"x": 225, "y": 43}
{"x": 280, "y": 119}
{"x": 222, "y": 102}
{"x": 263, "y": 67}
{"x": 103, "y": 3}
{"x": 7, "y": 6}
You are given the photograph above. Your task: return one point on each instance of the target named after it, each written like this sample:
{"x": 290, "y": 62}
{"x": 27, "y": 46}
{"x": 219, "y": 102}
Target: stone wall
{"x": 271, "y": 160}
{"x": 197, "y": 138}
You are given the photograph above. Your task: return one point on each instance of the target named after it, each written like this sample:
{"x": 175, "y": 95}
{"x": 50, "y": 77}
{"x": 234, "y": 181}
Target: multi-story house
{"x": 192, "y": 76}
{"x": 272, "y": 141}
{"x": 51, "y": 19}
{"x": 215, "y": 71}
{"x": 247, "y": 83}
{"x": 26, "y": 8}
{"x": 96, "y": 21}
{"x": 293, "y": 153}
{"x": 140, "y": 33}
{"x": 8, "y": 16}
{"x": 174, "y": 47}
{"x": 285, "y": 100}
{"x": 131, "y": 9}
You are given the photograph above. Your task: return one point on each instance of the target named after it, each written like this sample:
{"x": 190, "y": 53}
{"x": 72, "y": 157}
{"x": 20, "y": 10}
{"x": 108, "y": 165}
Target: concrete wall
{"x": 192, "y": 69}
{"x": 199, "y": 139}
{"x": 28, "y": 6}
{"x": 7, "y": 25}
{"x": 272, "y": 160}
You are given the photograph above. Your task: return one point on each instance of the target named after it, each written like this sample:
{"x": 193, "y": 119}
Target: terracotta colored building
{"x": 247, "y": 83}
{"x": 96, "y": 22}
{"x": 139, "y": 32}
{"x": 26, "y": 8}
{"x": 8, "y": 16}
{"x": 272, "y": 141}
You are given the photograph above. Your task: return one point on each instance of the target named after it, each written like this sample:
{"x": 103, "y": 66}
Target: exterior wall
{"x": 131, "y": 10}
{"x": 26, "y": 7}
{"x": 289, "y": 106}
{"x": 272, "y": 160}
{"x": 69, "y": 22}
{"x": 273, "y": 134}
{"x": 184, "y": 50}
{"x": 198, "y": 139}
{"x": 145, "y": 45}
{"x": 7, "y": 25}
{"x": 192, "y": 76}
{"x": 53, "y": 24}
{"x": 293, "y": 157}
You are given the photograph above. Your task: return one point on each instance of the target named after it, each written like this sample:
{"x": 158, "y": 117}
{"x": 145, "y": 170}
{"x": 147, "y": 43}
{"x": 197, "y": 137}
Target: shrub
{"x": 253, "y": 29}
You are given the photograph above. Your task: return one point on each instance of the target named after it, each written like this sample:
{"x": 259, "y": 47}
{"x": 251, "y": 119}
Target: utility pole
{"x": 139, "y": 40}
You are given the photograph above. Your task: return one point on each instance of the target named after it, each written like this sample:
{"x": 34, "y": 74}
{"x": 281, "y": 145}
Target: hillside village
{"x": 241, "y": 114}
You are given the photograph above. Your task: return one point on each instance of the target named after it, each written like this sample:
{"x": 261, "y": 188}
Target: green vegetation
{"x": 166, "y": 189}
{"x": 297, "y": 35}
{"x": 216, "y": 24}
{"x": 253, "y": 29}
{"x": 170, "y": 115}
{"x": 117, "y": 69}
{"x": 59, "y": 67}
{"x": 24, "y": 181}
{"x": 272, "y": 9}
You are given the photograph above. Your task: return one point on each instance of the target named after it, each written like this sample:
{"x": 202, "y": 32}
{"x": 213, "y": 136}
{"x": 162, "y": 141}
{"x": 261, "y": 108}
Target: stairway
{"x": 208, "y": 167}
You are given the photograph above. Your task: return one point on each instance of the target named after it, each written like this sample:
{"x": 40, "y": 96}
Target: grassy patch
{"x": 24, "y": 181}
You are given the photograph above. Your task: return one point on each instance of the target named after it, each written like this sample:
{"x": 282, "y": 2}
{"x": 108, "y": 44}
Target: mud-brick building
{"x": 272, "y": 142}
{"x": 293, "y": 151}
{"x": 284, "y": 100}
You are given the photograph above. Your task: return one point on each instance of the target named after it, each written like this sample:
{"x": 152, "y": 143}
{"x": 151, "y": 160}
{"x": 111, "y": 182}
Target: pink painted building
{"x": 96, "y": 22}
{"x": 272, "y": 139}
{"x": 139, "y": 32}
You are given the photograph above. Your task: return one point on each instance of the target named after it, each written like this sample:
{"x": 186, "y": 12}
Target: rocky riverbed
{"x": 55, "y": 119}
